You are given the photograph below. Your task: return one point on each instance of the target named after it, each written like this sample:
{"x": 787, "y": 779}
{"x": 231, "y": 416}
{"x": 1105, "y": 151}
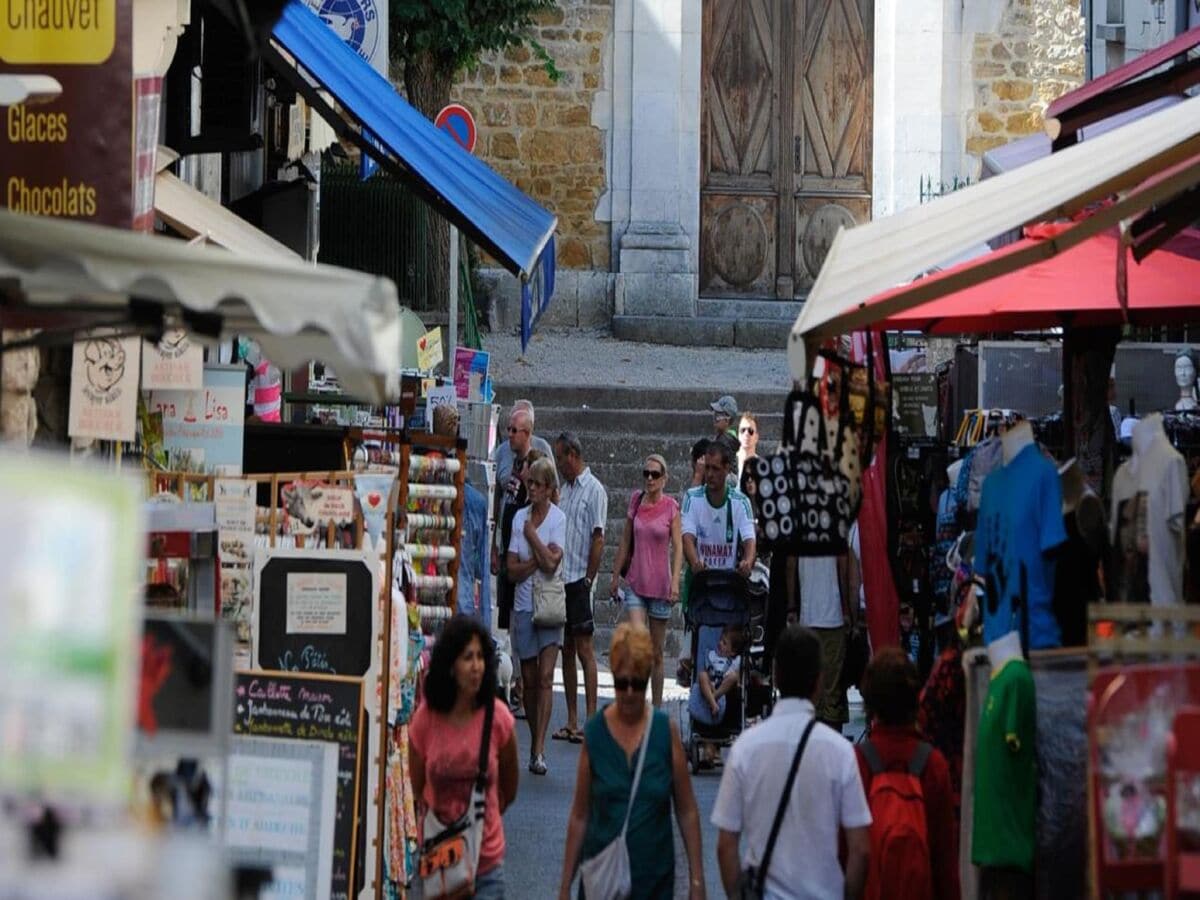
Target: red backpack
{"x": 899, "y": 832}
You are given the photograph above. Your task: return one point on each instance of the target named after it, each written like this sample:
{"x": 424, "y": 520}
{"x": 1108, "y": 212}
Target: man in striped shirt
{"x": 584, "y": 501}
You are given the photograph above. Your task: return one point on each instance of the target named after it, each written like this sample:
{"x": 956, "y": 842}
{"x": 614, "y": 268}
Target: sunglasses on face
{"x": 651, "y": 474}
{"x": 626, "y": 684}
{"x": 746, "y": 429}
{"x": 512, "y": 429}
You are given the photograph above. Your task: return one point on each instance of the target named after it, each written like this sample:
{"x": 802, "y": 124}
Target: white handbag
{"x": 606, "y": 875}
{"x": 549, "y": 600}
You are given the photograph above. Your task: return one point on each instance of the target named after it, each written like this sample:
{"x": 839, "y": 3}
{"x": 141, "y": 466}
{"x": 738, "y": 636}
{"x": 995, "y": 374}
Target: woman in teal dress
{"x": 612, "y": 739}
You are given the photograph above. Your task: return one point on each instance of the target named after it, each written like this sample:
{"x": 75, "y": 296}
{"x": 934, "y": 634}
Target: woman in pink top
{"x": 444, "y": 738}
{"x": 655, "y": 560}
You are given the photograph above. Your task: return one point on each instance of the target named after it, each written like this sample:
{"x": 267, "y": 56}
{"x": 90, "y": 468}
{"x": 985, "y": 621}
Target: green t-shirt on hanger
{"x": 1004, "y": 831}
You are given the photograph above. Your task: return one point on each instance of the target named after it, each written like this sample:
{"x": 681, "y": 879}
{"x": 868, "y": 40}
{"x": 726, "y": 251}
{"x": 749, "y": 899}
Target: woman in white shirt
{"x": 539, "y": 532}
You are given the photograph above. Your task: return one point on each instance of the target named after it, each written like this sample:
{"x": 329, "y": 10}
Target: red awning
{"x": 1116, "y": 91}
{"x": 1073, "y": 287}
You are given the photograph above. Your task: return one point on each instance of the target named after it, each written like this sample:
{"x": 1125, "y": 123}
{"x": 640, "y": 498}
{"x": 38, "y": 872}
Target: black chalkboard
{"x": 315, "y": 708}
{"x": 347, "y": 653}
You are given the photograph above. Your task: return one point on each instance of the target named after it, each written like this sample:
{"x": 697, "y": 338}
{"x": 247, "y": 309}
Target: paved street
{"x": 536, "y": 826}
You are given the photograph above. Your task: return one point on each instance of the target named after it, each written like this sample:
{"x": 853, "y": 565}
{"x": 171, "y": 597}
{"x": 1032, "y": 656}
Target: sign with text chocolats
{"x": 315, "y": 708}
{"x": 70, "y": 157}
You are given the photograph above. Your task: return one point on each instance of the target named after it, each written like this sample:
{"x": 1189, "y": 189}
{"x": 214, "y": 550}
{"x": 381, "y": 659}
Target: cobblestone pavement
{"x": 579, "y": 357}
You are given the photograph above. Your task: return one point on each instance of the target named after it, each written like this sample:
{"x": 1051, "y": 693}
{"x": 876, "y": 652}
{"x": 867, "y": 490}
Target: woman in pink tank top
{"x": 650, "y": 557}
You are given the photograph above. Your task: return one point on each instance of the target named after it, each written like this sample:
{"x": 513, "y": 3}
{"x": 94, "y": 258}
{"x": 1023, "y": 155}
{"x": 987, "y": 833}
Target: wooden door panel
{"x": 832, "y": 129}
{"x": 739, "y": 249}
{"x": 817, "y": 222}
{"x": 739, "y": 156}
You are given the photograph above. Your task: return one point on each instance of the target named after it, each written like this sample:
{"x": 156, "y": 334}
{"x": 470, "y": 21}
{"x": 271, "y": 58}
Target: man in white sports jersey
{"x": 716, "y": 516}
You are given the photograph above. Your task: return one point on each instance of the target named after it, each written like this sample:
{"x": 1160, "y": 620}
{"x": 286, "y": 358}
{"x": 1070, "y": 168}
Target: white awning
{"x": 297, "y": 311}
{"x": 193, "y": 214}
{"x": 882, "y": 254}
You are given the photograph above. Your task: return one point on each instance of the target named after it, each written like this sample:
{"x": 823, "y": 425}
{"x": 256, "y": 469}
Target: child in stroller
{"x": 718, "y": 614}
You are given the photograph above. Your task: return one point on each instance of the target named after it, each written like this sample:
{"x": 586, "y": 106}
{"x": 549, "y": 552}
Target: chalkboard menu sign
{"x": 915, "y": 403}
{"x": 315, "y": 611}
{"x": 315, "y": 708}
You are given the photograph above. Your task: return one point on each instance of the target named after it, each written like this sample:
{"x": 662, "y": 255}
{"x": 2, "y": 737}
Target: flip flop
{"x": 563, "y": 734}
{"x": 576, "y": 736}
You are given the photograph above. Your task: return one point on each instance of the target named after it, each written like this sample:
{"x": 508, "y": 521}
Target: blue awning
{"x": 493, "y": 213}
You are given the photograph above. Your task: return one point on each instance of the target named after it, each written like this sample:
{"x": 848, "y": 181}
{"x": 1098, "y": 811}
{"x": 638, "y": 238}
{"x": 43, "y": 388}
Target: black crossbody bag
{"x": 751, "y": 881}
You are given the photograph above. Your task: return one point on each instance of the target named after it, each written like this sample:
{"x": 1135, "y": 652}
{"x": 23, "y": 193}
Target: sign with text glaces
{"x": 206, "y": 426}
{"x": 72, "y": 156}
{"x": 69, "y": 577}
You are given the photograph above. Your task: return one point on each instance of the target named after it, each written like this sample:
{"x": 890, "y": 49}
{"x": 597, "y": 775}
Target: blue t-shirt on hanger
{"x": 1020, "y": 522}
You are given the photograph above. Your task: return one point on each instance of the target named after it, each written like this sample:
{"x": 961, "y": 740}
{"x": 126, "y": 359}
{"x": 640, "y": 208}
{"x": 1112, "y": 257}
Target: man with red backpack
{"x": 914, "y": 832}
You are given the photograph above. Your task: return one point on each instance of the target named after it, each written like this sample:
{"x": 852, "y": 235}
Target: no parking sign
{"x": 456, "y": 120}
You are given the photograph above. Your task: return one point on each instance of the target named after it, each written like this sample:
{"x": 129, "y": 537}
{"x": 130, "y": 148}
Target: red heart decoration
{"x": 374, "y": 498}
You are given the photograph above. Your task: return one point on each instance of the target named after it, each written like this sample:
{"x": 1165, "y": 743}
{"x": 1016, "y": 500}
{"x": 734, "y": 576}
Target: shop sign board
{"x": 315, "y": 611}
{"x": 280, "y": 800}
{"x": 71, "y": 157}
{"x": 915, "y": 403}
{"x": 104, "y": 387}
{"x": 294, "y": 706}
{"x": 71, "y": 565}
{"x": 206, "y": 424}
{"x": 176, "y": 363}
{"x": 429, "y": 350}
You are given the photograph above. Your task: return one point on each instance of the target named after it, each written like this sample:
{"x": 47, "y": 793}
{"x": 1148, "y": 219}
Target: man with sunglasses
{"x": 584, "y": 501}
{"x": 509, "y": 458}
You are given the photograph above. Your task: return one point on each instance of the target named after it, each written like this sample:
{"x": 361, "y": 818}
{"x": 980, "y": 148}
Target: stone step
{"x": 546, "y": 396}
{"x": 764, "y": 334}
{"x": 739, "y": 309}
{"x": 690, "y": 424}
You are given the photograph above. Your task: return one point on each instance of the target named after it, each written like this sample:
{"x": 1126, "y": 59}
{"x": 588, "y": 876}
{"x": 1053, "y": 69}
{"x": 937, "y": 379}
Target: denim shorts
{"x": 490, "y": 885}
{"x": 656, "y": 609}
{"x": 529, "y": 640}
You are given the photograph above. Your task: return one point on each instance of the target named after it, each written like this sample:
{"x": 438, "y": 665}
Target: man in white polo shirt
{"x": 584, "y": 501}
{"x": 827, "y": 794}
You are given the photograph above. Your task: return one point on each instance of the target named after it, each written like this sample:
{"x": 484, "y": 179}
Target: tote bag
{"x": 549, "y": 600}
{"x": 606, "y": 875}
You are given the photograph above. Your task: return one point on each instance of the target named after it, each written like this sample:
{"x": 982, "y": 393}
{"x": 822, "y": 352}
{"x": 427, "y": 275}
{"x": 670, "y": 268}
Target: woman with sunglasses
{"x": 604, "y": 781}
{"x": 652, "y": 546}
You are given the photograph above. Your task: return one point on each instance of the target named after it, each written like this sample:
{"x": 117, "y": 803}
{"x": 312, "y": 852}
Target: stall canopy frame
{"x": 1157, "y": 155}
{"x": 64, "y": 276}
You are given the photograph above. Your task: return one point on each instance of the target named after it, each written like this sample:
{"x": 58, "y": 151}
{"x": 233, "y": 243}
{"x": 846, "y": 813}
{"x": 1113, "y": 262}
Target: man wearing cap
{"x": 725, "y": 414}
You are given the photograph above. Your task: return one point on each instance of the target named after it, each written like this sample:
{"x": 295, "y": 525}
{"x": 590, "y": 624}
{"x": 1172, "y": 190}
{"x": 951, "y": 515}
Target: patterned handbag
{"x": 826, "y": 495}
{"x": 772, "y": 486}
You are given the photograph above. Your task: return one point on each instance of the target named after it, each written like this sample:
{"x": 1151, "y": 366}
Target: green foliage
{"x": 458, "y": 32}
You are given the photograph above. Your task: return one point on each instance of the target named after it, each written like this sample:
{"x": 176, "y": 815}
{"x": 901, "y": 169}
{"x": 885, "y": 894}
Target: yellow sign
{"x": 429, "y": 350}
{"x": 80, "y": 32}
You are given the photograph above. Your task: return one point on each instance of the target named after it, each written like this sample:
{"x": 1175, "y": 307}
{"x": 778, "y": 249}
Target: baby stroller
{"x": 717, "y": 599}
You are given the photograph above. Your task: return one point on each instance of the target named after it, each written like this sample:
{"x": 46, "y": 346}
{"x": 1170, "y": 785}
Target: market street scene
{"x": 608, "y": 449}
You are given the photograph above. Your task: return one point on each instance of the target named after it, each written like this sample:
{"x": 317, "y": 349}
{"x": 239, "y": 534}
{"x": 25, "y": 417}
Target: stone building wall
{"x": 540, "y": 135}
{"x": 1036, "y": 55}
{"x": 18, "y": 376}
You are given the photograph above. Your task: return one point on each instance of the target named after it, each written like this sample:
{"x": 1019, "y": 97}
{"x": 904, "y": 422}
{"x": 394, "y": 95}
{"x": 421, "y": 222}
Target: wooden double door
{"x": 785, "y": 139}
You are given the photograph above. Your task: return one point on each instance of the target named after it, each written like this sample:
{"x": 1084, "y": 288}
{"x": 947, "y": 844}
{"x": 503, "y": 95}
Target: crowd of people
{"x": 876, "y": 819}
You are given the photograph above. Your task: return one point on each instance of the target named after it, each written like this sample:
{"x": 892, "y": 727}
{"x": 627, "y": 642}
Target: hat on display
{"x": 724, "y": 406}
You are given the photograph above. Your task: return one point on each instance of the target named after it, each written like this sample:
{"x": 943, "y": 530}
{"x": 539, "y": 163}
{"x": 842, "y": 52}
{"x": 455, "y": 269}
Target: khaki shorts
{"x": 832, "y": 706}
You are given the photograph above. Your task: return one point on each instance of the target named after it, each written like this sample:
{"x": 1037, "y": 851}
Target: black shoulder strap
{"x": 638, "y": 502}
{"x": 783, "y": 804}
{"x": 489, "y": 712}
{"x": 871, "y": 754}
{"x": 916, "y": 765}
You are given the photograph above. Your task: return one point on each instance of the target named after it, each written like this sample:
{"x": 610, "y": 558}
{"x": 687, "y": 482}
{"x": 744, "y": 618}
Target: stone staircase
{"x": 619, "y": 427}
{"x": 753, "y": 324}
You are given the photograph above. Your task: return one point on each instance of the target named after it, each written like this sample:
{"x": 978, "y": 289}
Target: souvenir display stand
{"x": 1140, "y": 680}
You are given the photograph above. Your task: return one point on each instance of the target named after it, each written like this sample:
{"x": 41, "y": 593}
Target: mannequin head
{"x": 1185, "y": 371}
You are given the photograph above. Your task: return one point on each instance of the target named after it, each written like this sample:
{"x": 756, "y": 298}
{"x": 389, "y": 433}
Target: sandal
{"x": 563, "y": 734}
{"x": 576, "y": 736}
